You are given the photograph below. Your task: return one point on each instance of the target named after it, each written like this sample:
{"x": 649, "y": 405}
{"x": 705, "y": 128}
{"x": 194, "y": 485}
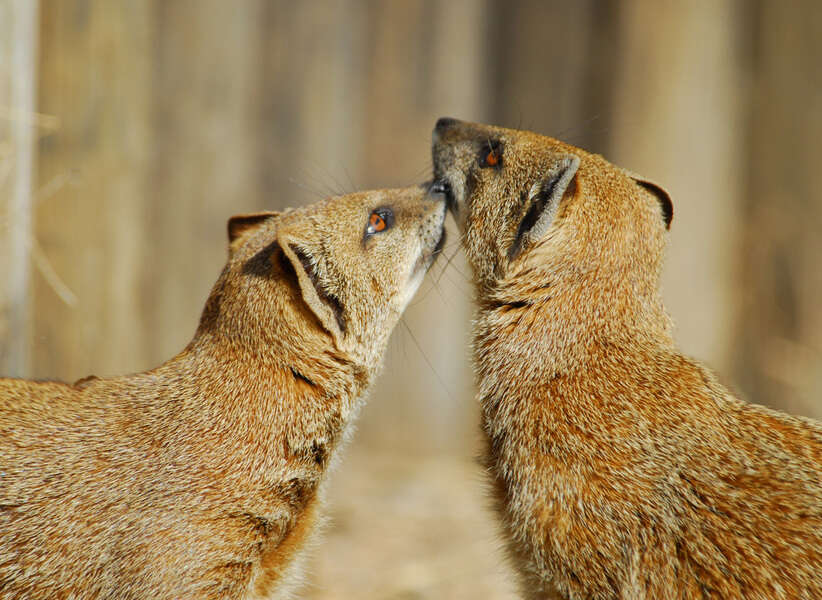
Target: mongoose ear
{"x": 661, "y": 195}
{"x": 543, "y": 200}
{"x": 239, "y": 226}
{"x": 320, "y": 300}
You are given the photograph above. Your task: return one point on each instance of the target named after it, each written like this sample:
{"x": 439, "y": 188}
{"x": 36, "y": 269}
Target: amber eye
{"x": 379, "y": 220}
{"x": 491, "y": 155}
{"x": 376, "y": 222}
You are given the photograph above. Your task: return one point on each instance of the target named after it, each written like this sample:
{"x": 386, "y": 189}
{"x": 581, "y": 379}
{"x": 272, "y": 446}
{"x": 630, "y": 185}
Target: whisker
{"x": 319, "y": 187}
{"x": 334, "y": 188}
{"x": 582, "y": 129}
{"x": 434, "y": 284}
{"x": 423, "y": 175}
{"x": 349, "y": 178}
{"x": 448, "y": 263}
{"x": 307, "y": 188}
{"x": 458, "y": 285}
{"x": 428, "y": 362}
{"x": 464, "y": 275}
{"x": 341, "y": 189}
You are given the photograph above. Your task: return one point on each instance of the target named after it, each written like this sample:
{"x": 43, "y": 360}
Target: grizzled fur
{"x": 622, "y": 469}
{"x": 200, "y": 478}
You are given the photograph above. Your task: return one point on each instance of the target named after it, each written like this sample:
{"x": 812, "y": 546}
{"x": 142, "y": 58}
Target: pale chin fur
{"x": 457, "y": 209}
{"x": 413, "y": 284}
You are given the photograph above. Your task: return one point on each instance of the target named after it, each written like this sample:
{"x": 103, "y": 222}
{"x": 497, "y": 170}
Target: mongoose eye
{"x": 379, "y": 220}
{"x": 376, "y": 223}
{"x": 491, "y": 155}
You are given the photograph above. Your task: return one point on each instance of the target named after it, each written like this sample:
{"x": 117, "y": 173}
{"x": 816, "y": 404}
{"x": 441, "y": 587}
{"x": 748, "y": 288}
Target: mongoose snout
{"x": 621, "y": 468}
{"x": 447, "y": 180}
{"x": 202, "y": 478}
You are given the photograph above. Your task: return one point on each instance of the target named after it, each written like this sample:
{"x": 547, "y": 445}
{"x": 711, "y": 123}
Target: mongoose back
{"x": 201, "y": 478}
{"x": 622, "y": 469}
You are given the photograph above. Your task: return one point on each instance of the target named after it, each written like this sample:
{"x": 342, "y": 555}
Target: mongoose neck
{"x": 312, "y": 362}
{"x": 534, "y": 329}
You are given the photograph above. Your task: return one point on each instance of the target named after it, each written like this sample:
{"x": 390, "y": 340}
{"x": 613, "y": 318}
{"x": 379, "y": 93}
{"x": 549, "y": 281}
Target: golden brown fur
{"x": 622, "y": 468}
{"x": 200, "y": 478}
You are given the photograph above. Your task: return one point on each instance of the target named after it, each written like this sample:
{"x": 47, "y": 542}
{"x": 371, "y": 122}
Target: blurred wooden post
{"x": 206, "y": 127}
{"x": 549, "y": 72}
{"x": 94, "y": 76}
{"x": 18, "y": 48}
{"x": 678, "y": 121}
{"x": 779, "y": 334}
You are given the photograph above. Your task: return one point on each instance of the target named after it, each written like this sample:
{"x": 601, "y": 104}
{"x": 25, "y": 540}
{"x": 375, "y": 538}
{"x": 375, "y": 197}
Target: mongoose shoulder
{"x": 622, "y": 469}
{"x": 201, "y": 478}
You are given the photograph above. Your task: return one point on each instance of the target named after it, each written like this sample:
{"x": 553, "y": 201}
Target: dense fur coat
{"x": 200, "y": 478}
{"x": 622, "y": 469}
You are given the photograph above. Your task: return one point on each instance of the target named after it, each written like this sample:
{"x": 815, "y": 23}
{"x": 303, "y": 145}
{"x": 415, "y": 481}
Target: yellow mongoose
{"x": 200, "y": 478}
{"x": 622, "y": 469}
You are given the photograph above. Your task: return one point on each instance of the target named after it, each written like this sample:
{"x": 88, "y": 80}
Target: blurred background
{"x": 131, "y": 130}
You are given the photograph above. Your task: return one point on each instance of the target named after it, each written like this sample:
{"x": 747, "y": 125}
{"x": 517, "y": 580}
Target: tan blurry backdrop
{"x": 131, "y": 130}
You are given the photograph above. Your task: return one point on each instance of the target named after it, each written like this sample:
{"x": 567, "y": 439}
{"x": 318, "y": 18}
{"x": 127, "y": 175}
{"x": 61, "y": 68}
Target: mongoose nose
{"x": 438, "y": 187}
{"x": 441, "y": 190}
{"x": 445, "y": 123}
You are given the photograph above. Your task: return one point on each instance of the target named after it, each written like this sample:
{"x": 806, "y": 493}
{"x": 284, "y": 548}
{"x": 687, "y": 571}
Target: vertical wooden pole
{"x": 95, "y": 77}
{"x": 779, "y": 332}
{"x": 547, "y": 62}
{"x": 18, "y": 49}
{"x": 678, "y": 120}
{"x": 206, "y": 126}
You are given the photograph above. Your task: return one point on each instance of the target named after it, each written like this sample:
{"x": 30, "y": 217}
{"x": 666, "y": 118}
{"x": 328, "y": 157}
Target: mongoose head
{"x": 566, "y": 248}
{"x": 522, "y": 199}
{"x": 332, "y": 277}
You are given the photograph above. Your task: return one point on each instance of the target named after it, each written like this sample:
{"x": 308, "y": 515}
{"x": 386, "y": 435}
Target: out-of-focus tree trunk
{"x": 677, "y": 120}
{"x": 95, "y": 77}
{"x": 18, "y": 76}
{"x": 206, "y": 126}
{"x": 552, "y": 68}
{"x": 779, "y": 333}
{"x": 313, "y": 76}
{"x": 158, "y": 105}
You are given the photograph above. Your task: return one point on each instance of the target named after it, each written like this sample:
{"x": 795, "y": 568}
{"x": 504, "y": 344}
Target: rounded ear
{"x": 663, "y": 197}
{"x": 322, "y": 302}
{"x": 240, "y": 226}
{"x": 543, "y": 200}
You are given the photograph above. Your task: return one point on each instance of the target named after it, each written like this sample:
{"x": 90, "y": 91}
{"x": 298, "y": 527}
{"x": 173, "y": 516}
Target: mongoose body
{"x": 621, "y": 468}
{"x": 201, "y": 478}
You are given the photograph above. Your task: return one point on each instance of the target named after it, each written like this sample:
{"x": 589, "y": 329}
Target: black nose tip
{"x": 444, "y": 124}
{"x": 438, "y": 187}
